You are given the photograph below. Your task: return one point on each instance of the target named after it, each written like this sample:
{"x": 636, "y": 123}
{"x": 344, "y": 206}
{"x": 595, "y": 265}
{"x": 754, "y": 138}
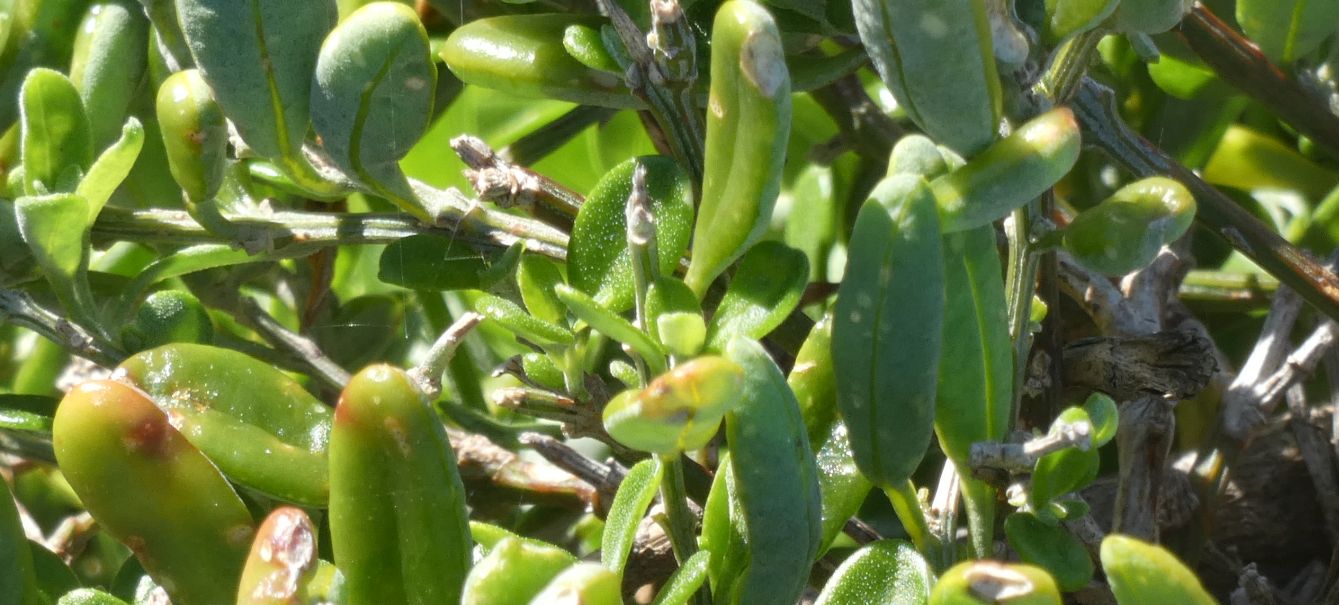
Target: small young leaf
{"x": 1051, "y": 547}
{"x": 766, "y": 287}
{"x": 57, "y": 143}
{"x": 679, "y": 411}
{"x": 1104, "y": 415}
{"x": 608, "y": 323}
{"x": 282, "y": 560}
{"x": 584, "y": 584}
{"x": 111, "y": 168}
{"x": 514, "y": 571}
{"x": 195, "y": 134}
{"x": 1146, "y": 573}
{"x": 1059, "y": 473}
{"x": 598, "y": 260}
{"x": 634, "y": 495}
{"x": 991, "y": 582}
{"x": 512, "y": 317}
{"x": 888, "y": 572}
{"x": 685, "y": 581}
{"x": 536, "y": 277}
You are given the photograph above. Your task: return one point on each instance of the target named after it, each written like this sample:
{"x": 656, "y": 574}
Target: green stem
{"x": 909, "y": 511}
{"x": 641, "y": 236}
{"x": 1020, "y": 284}
{"x": 1068, "y": 65}
{"x": 680, "y": 520}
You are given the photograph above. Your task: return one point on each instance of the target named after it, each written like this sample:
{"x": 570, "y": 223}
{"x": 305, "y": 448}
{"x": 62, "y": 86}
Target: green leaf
{"x": 974, "y": 396}
{"x": 111, "y": 168}
{"x": 776, "y": 482}
{"x": 260, "y": 427}
{"x": 667, "y": 295}
{"x": 524, "y": 55}
{"x": 514, "y": 571}
{"x": 634, "y": 496}
{"x": 194, "y": 132}
{"x": 17, "y": 577}
{"x": 109, "y": 63}
{"x": 887, "y": 328}
{"x": 1067, "y": 470}
{"x": 395, "y": 491}
{"x": 282, "y": 561}
{"x": 583, "y": 583}
{"x": 685, "y": 581}
{"x": 1125, "y": 231}
{"x": 766, "y": 287}
{"x": 165, "y": 317}
{"x": 1146, "y": 573}
{"x": 887, "y": 572}
{"x": 610, "y": 324}
{"x": 512, "y": 317}
{"x": 259, "y": 58}
{"x": 1287, "y": 30}
{"x": 679, "y": 411}
{"x": 943, "y": 76}
{"x": 723, "y": 533}
{"x": 148, "y": 486}
{"x": 433, "y": 262}
{"x": 1104, "y": 415}
{"x": 372, "y": 96}
{"x": 57, "y": 144}
{"x": 1068, "y": 17}
{"x": 1051, "y": 547}
{"x": 536, "y": 277}
{"x": 88, "y": 596}
{"x": 182, "y": 262}
{"x": 49, "y": 225}
{"x": 746, "y": 136}
{"x": 598, "y": 260}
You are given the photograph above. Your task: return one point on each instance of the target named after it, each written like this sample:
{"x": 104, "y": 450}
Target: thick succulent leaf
{"x": 1146, "y": 573}
{"x": 109, "y": 63}
{"x": 111, "y": 168}
{"x": 57, "y": 143}
{"x": 513, "y": 572}
{"x": 685, "y": 581}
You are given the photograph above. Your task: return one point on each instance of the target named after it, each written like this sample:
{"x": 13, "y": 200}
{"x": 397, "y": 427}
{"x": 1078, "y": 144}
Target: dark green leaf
{"x": 887, "y": 572}
{"x": 766, "y": 287}
{"x": 634, "y": 495}
{"x": 1051, "y": 547}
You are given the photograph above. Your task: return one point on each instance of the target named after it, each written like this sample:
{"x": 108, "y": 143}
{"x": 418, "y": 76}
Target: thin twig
{"x": 1240, "y": 63}
{"x": 428, "y": 373}
{"x": 497, "y": 179}
{"x": 1019, "y": 458}
{"x": 1318, "y": 457}
{"x": 21, "y": 310}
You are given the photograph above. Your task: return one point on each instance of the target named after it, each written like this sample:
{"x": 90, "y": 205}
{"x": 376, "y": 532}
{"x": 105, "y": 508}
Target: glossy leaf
{"x": 259, "y": 58}
{"x": 512, "y": 317}
{"x": 398, "y": 521}
{"x": 586, "y": 45}
{"x": 766, "y": 287}
{"x": 669, "y": 295}
{"x": 195, "y": 134}
{"x": 258, "y": 425}
{"x": 887, "y": 328}
{"x": 679, "y": 411}
{"x": 990, "y": 582}
{"x": 887, "y": 572}
{"x": 746, "y": 136}
{"x": 149, "y": 487}
{"x": 943, "y": 74}
{"x": 524, "y": 55}
{"x": 514, "y": 571}
{"x": 109, "y": 63}
{"x": 111, "y": 168}
{"x": 89, "y": 596}
{"x": 1009, "y": 173}
{"x": 1146, "y": 573}
{"x": 583, "y": 584}
{"x": 57, "y": 143}
{"x": 974, "y": 397}
{"x": 282, "y": 560}
{"x": 1126, "y": 230}
{"x": 606, "y": 322}
{"x": 685, "y": 581}
{"x": 776, "y": 482}
{"x": 598, "y": 260}
{"x": 1104, "y": 415}
{"x": 1051, "y": 547}
{"x": 372, "y": 95}
{"x": 635, "y": 493}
